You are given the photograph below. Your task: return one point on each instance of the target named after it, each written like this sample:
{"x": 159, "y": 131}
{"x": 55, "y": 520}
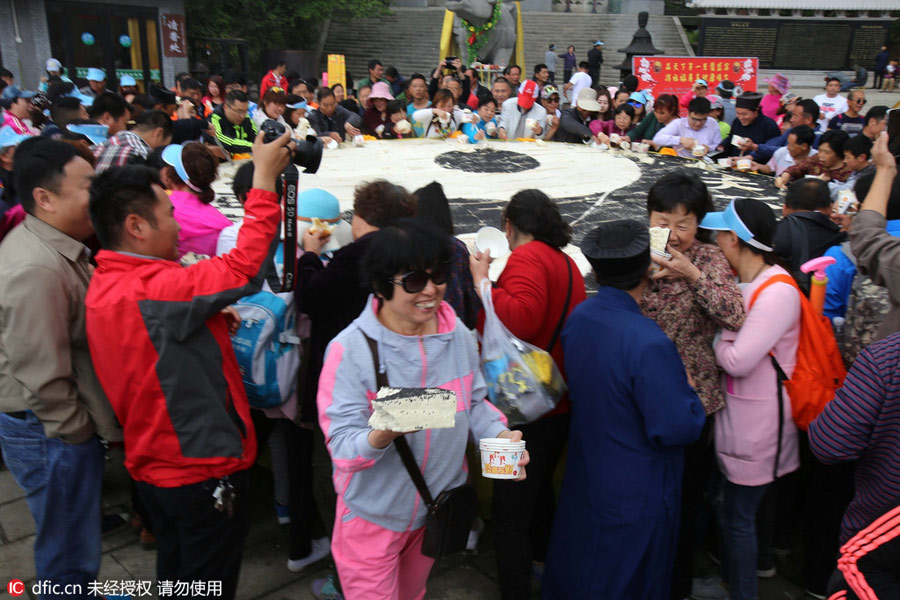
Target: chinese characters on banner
{"x": 174, "y": 38}
{"x": 677, "y": 74}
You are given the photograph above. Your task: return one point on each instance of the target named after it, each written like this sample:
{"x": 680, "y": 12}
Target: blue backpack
{"x": 267, "y": 345}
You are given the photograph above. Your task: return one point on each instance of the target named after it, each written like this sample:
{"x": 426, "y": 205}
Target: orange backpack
{"x": 820, "y": 369}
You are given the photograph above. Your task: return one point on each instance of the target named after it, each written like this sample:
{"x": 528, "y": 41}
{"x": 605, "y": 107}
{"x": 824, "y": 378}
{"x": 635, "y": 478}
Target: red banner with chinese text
{"x": 677, "y": 74}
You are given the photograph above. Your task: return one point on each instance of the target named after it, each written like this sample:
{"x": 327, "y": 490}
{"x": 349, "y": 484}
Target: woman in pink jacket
{"x": 189, "y": 173}
{"x": 756, "y": 441}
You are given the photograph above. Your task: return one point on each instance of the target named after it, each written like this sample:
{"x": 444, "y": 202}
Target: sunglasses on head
{"x": 415, "y": 281}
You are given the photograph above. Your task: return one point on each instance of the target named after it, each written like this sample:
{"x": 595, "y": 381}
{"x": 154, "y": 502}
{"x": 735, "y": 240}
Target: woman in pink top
{"x": 621, "y": 123}
{"x": 771, "y": 102}
{"x": 190, "y": 171}
{"x": 750, "y": 453}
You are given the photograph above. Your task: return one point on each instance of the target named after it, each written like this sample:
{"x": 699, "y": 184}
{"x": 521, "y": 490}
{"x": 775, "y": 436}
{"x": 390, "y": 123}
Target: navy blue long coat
{"x": 633, "y": 411}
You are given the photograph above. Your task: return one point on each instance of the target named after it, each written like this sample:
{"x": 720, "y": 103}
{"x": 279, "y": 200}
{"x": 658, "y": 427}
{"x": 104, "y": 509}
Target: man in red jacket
{"x": 161, "y": 348}
{"x": 274, "y": 78}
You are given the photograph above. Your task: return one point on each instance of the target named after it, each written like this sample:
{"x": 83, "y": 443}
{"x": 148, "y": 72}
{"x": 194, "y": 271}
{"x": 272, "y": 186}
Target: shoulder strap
{"x": 289, "y": 184}
{"x": 781, "y": 277}
{"x": 400, "y": 443}
{"x": 565, "y": 311}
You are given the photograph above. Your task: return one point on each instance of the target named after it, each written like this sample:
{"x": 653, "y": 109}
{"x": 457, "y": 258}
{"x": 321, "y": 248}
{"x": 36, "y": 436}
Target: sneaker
{"x": 324, "y": 589}
{"x": 766, "y": 573}
{"x": 281, "y": 511}
{"x": 320, "y": 549}
{"x": 114, "y": 522}
{"x": 474, "y": 534}
{"x": 708, "y": 588}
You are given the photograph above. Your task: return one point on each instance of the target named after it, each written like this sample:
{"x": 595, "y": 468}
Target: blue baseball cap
{"x": 638, "y": 97}
{"x": 127, "y": 80}
{"x": 95, "y": 74}
{"x": 599, "y": 43}
{"x": 12, "y": 92}
{"x": 83, "y": 98}
{"x": 95, "y": 132}
{"x": 8, "y": 137}
{"x": 702, "y": 82}
{"x": 301, "y": 104}
{"x": 729, "y": 220}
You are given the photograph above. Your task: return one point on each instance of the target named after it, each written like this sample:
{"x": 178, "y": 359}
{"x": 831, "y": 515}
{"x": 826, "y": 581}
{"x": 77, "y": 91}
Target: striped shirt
{"x": 862, "y": 424}
{"x": 124, "y": 148}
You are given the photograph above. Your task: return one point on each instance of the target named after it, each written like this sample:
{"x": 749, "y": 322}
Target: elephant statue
{"x": 501, "y": 37}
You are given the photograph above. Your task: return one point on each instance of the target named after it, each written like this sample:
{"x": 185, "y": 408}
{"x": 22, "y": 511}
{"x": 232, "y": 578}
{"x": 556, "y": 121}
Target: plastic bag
{"x": 523, "y": 380}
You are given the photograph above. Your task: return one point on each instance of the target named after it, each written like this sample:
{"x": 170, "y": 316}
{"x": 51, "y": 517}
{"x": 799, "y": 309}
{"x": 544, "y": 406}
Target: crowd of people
{"x": 120, "y": 327}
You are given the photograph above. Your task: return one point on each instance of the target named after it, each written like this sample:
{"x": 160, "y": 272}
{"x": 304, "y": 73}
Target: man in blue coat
{"x": 633, "y": 410}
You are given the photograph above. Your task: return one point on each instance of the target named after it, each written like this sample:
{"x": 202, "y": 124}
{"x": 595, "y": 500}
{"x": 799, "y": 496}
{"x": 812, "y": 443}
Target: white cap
{"x": 54, "y": 65}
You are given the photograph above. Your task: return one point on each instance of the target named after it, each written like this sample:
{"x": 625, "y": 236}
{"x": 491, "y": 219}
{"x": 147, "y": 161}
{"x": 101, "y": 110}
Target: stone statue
{"x": 501, "y": 37}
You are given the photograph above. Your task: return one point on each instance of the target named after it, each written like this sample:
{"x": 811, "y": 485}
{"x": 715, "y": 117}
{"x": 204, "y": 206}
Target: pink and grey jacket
{"x": 373, "y": 483}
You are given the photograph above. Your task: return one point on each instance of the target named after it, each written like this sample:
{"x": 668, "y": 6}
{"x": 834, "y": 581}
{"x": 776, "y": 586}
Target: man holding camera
{"x": 173, "y": 380}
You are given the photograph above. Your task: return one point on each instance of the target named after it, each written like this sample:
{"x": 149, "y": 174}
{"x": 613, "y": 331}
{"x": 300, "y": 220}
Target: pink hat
{"x": 381, "y": 90}
{"x": 780, "y": 83}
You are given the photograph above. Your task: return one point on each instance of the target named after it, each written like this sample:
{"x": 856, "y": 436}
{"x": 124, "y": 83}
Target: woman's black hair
{"x": 534, "y": 213}
{"x": 685, "y": 189}
{"x": 405, "y": 245}
{"x": 624, "y": 108}
{"x": 433, "y": 207}
{"x": 760, "y": 220}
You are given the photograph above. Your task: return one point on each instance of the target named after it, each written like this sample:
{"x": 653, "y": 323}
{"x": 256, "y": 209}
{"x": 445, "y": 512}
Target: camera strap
{"x": 290, "y": 178}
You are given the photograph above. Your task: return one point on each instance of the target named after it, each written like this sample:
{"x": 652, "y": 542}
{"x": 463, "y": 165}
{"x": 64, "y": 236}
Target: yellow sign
{"x": 337, "y": 70}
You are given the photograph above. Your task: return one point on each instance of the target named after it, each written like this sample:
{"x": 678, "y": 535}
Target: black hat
{"x": 162, "y": 95}
{"x": 750, "y": 101}
{"x": 619, "y": 251}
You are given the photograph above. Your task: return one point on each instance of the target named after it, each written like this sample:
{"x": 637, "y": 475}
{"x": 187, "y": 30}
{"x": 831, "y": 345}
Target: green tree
{"x": 274, "y": 24}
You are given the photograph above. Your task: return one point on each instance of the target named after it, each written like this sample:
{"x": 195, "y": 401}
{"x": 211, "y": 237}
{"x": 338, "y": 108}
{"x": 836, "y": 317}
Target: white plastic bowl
{"x": 491, "y": 238}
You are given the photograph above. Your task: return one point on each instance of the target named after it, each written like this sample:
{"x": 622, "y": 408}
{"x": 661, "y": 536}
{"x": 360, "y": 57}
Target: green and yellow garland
{"x": 478, "y": 34}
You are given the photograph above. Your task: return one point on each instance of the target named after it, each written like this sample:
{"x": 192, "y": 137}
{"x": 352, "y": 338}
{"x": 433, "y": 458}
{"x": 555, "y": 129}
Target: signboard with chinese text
{"x": 677, "y": 74}
{"x": 174, "y": 36}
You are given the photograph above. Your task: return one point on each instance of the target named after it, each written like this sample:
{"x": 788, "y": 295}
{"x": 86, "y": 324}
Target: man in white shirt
{"x": 513, "y": 121}
{"x": 799, "y": 146}
{"x": 580, "y": 80}
{"x": 696, "y": 129}
{"x": 831, "y": 103}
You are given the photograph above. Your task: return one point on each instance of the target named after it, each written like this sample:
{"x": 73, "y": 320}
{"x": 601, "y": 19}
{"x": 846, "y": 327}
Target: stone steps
{"x": 408, "y": 38}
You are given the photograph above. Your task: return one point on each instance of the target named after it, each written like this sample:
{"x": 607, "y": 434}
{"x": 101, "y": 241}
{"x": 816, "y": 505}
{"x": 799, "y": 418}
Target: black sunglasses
{"x": 415, "y": 281}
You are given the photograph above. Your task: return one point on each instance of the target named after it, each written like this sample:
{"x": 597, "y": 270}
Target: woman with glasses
{"x": 410, "y": 335}
{"x": 533, "y": 297}
{"x": 271, "y": 106}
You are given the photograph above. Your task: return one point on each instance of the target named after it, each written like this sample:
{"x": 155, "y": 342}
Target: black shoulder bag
{"x": 450, "y": 515}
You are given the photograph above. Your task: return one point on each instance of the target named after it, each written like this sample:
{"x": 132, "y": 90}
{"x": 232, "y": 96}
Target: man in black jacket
{"x": 806, "y": 231}
{"x": 234, "y": 129}
{"x": 595, "y": 60}
{"x": 333, "y": 121}
{"x": 573, "y": 123}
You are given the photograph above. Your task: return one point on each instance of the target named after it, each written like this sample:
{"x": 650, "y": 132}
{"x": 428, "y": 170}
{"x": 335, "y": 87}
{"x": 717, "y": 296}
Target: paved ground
{"x": 264, "y": 575}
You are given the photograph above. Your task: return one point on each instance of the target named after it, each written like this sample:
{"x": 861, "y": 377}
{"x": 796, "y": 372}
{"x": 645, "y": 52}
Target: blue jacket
{"x": 840, "y": 276}
{"x": 471, "y": 129}
{"x": 616, "y": 525}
